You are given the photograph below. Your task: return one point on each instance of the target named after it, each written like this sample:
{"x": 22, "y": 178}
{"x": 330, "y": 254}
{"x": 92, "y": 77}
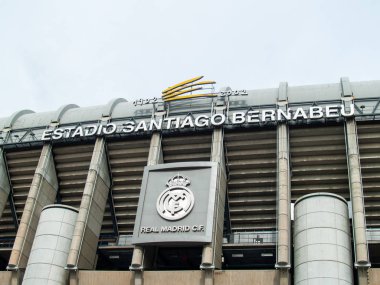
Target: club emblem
{"x": 176, "y": 201}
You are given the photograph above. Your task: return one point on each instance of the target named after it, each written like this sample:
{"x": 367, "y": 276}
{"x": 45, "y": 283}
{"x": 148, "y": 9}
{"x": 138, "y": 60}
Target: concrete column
{"x": 283, "y": 188}
{"x": 4, "y": 183}
{"x": 283, "y": 202}
{"x": 42, "y": 193}
{"x": 47, "y": 261}
{"x": 212, "y": 253}
{"x": 143, "y": 256}
{"x": 363, "y": 276}
{"x": 73, "y": 278}
{"x": 208, "y": 276}
{"x": 283, "y": 192}
{"x": 356, "y": 192}
{"x": 322, "y": 244}
{"x": 82, "y": 254}
{"x": 362, "y": 262}
{"x": 155, "y": 151}
{"x": 284, "y": 277}
{"x": 357, "y": 199}
{"x": 16, "y": 277}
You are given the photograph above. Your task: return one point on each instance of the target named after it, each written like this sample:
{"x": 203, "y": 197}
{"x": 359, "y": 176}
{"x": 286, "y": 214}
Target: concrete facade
{"x": 42, "y": 193}
{"x": 264, "y": 165}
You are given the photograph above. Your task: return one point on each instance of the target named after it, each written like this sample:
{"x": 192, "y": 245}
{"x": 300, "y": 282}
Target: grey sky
{"x": 90, "y": 51}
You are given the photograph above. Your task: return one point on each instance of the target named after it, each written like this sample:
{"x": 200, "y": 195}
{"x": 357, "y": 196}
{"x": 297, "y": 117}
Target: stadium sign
{"x": 179, "y": 212}
{"x": 251, "y": 116}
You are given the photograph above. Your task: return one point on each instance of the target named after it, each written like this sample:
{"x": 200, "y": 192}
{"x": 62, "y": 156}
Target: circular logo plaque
{"x": 176, "y": 201}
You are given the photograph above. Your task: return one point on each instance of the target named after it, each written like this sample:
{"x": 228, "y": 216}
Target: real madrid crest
{"x": 176, "y": 201}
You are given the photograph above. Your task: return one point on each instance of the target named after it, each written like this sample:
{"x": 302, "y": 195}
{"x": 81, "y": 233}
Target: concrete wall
{"x": 230, "y": 277}
{"x": 173, "y": 277}
{"x": 5, "y": 277}
{"x": 245, "y": 277}
{"x": 374, "y": 276}
{"x": 104, "y": 277}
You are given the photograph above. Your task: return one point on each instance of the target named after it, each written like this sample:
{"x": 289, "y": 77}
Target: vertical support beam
{"x": 283, "y": 192}
{"x": 363, "y": 276}
{"x": 359, "y": 227}
{"x": 357, "y": 199}
{"x": 142, "y": 256}
{"x": 155, "y": 151}
{"x": 42, "y": 193}
{"x": 73, "y": 277}
{"x": 5, "y": 187}
{"x": 110, "y": 200}
{"x": 212, "y": 253}
{"x": 90, "y": 217}
{"x": 16, "y": 278}
{"x": 7, "y": 179}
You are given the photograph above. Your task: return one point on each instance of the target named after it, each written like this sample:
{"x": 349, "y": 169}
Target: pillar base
{"x": 284, "y": 277}
{"x": 138, "y": 278}
{"x": 363, "y": 276}
{"x": 209, "y": 277}
{"x": 73, "y": 277}
{"x": 16, "y": 278}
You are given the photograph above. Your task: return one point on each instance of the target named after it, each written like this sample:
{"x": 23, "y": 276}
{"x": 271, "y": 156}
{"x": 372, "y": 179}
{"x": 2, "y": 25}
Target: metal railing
{"x": 373, "y": 235}
{"x": 124, "y": 240}
{"x": 6, "y": 243}
{"x": 259, "y": 237}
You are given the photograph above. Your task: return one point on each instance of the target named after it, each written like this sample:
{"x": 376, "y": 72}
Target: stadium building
{"x": 265, "y": 187}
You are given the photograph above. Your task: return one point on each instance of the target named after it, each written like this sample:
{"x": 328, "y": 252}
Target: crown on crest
{"x": 178, "y": 180}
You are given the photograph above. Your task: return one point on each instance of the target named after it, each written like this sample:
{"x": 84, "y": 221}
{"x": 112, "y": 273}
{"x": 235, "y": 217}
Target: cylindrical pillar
{"x": 47, "y": 260}
{"x": 322, "y": 243}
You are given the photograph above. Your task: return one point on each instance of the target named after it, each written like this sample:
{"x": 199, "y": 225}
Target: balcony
{"x": 251, "y": 238}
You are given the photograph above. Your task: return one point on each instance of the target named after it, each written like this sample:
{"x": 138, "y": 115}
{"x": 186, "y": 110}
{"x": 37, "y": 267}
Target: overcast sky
{"x": 87, "y": 52}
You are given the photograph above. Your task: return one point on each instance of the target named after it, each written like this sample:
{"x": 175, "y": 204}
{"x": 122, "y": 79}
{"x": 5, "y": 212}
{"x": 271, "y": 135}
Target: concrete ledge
{"x": 190, "y": 277}
{"x": 246, "y": 277}
{"x": 89, "y": 277}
